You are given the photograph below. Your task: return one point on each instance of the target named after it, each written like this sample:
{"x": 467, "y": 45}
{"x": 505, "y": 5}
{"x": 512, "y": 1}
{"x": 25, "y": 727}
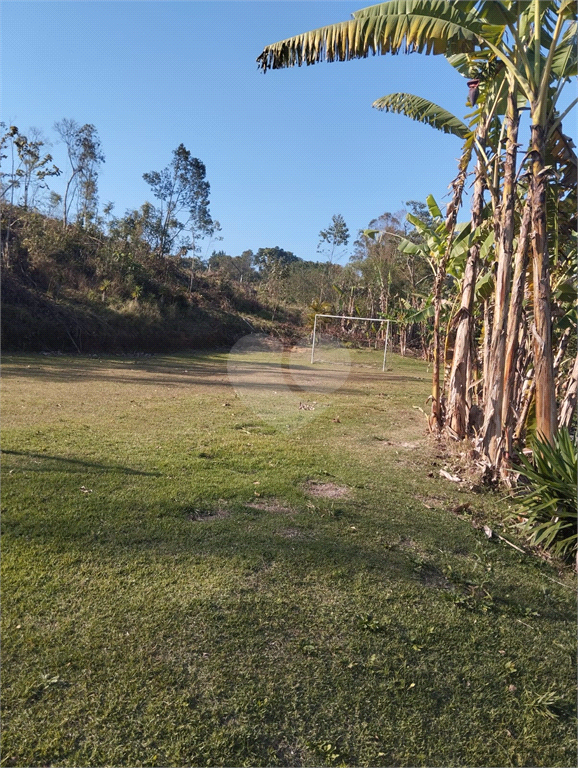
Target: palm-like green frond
{"x": 564, "y": 59}
{"x": 497, "y": 14}
{"x": 423, "y": 111}
{"x": 397, "y": 26}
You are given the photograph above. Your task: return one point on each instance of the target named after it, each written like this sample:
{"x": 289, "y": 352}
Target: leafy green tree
{"x": 377, "y": 265}
{"x": 242, "y": 267}
{"x": 218, "y": 260}
{"x": 134, "y": 232}
{"x": 26, "y": 170}
{"x": 305, "y": 281}
{"x": 84, "y": 155}
{"x": 274, "y": 261}
{"x": 331, "y": 242}
{"x": 183, "y": 192}
{"x": 274, "y": 268}
{"x": 332, "y": 238}
{"x": 30, "y": 167}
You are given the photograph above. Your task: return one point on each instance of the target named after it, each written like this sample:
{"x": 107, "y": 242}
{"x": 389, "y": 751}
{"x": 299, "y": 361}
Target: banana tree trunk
{"x": 542, "y": 331}
{"x": 486, "y": 346}
{"x": 492, "y": 428}
{"x": 512, "y": 334}
{"x": 560, "y": 352}
{"x": 436, "y": 408}
{"x": 457, "y": 410}
{"x": 474, "y": 396}
{"x": 568, "y": 407}
{"x": 527, "y": 398}
{"x": 454, "y": 207}
{"x": 403, "y": 339}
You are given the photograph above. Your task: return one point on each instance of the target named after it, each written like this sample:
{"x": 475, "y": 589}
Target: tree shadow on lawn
{"x": 173, "y": 374}
{"x": 165, "y": 532}
{"x": 128, "y": 374}
{"x": 62, "y": 463}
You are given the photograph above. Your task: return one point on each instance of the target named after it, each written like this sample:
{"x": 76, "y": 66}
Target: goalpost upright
{"x": 346, "y": 317}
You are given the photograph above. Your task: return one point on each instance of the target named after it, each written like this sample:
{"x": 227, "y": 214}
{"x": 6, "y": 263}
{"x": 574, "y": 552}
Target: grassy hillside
{"x": 247, "y": 560}
{"x": 77, "y": 290}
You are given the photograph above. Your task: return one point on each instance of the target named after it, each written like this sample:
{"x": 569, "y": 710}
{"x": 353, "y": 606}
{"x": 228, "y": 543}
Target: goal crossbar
{"x": 347, "y": 317}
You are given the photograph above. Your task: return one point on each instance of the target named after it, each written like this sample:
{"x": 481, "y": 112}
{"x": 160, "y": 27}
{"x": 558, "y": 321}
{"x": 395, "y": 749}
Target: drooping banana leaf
{"x": 422, "y": 315}
{"x": 438, "y": 27}
{"x": 423, "y": 111}
{"x": 561, "y": 150}
{"x": 406, "y": 246}
{"x": 420, "y": 225}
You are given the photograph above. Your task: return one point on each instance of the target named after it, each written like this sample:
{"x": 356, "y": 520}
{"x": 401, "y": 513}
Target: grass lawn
{"x": 244, "y": 560}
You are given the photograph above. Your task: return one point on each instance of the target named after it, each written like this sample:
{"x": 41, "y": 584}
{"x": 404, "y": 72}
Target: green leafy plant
{"x": 372, "y": 624}
{"x": 549, "y": 498}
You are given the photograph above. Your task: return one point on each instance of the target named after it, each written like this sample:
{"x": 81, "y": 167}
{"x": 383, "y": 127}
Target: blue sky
{"x": 284, "y": 151}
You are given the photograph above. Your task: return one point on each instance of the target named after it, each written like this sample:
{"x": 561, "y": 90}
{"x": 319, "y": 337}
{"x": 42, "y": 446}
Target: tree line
{"x": 176, "y": 232}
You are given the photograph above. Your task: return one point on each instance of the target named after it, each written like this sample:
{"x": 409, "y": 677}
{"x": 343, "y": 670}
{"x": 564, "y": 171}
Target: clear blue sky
{"x": 284, "y": 151}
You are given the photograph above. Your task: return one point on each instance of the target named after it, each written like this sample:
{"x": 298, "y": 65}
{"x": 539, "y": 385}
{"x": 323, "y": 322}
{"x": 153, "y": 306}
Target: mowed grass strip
{"x": 206, "y": 564}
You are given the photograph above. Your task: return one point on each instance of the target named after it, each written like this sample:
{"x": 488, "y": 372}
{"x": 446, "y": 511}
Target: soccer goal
{"x": 346, "y": 317}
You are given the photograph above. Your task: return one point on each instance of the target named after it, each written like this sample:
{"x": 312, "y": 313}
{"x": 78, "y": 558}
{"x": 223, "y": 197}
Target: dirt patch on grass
{"x": 430, "y": 576}
{"x": 326, "y": 490}
{"x": 405, "y": 543}
{"x": 271, "y": 505}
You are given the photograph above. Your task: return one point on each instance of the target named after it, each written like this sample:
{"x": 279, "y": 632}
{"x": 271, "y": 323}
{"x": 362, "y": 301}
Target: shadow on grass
{"x": 167, "y": 537}
{"x": 168, "y": 531}
{"x": 75, "y": 465}
{"x": 249, "y": 379}
{"x": 177, "y": 373}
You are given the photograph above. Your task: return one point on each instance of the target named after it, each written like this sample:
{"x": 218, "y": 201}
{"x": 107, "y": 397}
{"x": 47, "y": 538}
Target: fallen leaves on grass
{"x": 453, "y": 478}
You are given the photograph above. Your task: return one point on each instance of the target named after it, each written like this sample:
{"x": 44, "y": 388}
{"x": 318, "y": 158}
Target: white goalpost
{"x": 346, "y": 317}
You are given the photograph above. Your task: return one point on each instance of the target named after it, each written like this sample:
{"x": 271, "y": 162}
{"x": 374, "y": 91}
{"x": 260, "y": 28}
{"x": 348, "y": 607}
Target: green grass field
{"x": 244, "y": 560}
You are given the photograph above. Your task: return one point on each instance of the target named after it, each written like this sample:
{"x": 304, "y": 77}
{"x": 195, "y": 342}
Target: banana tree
{"x": 502, "y": 342}
{"x": 535, "y": 42}
{"x": 512, "y": 341}
{"x": 492, "y": 429}
{"x": 460, "y": 336}
{"x": 438, "y": 247}
{"x": 491, "y": 97}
